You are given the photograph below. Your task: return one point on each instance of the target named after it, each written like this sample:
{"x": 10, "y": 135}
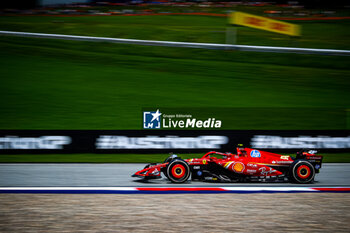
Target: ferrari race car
{"x": 248, "y": 165}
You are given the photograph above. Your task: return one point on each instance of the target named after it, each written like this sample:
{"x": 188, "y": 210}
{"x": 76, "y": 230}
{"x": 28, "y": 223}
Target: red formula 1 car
{"x": 247, "y": 165}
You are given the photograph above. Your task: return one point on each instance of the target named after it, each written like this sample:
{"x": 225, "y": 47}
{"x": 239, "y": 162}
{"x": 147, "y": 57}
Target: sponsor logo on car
{"x": 251, "y": 171}
{"x": 314, "y": 157}
{"x": 284, "y": 161}
{"x": 238, "y": 167}
{"x": 263, "y": 171}
{"x": 252, "y": 165}
{"x": 255, "y": 154}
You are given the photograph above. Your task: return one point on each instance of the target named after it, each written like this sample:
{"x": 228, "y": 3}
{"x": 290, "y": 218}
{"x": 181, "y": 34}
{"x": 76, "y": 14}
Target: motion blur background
{"x": 49, "y": 84}
{"x": 75, "y": 101}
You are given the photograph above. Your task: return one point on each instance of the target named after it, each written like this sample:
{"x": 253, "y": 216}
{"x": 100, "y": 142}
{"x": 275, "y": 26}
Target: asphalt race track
{"x": 114, "y": 175}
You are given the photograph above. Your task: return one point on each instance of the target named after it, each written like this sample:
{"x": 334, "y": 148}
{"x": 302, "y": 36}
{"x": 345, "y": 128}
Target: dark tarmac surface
{"x": 112, "y": 175}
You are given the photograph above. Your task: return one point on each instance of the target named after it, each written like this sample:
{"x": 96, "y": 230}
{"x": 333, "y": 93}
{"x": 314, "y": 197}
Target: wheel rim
{"x": 303, "y": 171}
{"x": 178, "y": 171}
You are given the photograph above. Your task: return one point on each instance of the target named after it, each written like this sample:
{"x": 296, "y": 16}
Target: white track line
{"x": 182, "y": 44}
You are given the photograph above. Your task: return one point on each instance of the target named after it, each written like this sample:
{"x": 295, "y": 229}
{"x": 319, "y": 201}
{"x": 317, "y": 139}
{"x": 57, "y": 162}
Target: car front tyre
{"x": 178, "y": 171}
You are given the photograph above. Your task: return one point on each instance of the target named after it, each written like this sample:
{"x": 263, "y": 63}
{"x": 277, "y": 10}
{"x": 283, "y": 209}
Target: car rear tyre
{"x": 178, "y": 171}
{"x": 301, "y": 172}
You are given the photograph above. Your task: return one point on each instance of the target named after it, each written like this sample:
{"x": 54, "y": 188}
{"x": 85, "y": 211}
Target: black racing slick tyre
{"x": 178, "y": 171}
{"x": 302, "y": 172}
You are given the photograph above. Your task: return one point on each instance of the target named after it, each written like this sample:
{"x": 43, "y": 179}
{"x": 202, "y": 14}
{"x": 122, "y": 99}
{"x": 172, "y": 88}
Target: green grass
{"x": 126, "y": 158}
{"x": 56, "y": 84}
{"x": 50, "y": 84}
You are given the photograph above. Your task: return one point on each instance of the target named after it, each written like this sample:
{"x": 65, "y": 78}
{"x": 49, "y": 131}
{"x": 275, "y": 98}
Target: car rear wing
{"x": 312, "y": 157}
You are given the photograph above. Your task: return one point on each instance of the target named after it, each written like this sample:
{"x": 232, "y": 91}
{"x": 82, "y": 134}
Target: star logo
{"x": 156, "y": 115}
{"x": 151, "y": 120}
